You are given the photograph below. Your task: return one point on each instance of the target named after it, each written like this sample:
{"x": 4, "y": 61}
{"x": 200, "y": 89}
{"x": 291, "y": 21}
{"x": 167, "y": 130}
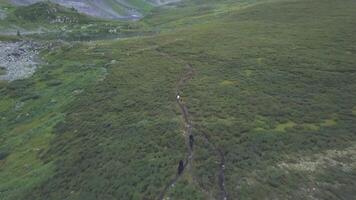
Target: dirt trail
{"x": 187, "y": 131}
{"x": 187, "y": 75}
{"x": 221, "y": 178}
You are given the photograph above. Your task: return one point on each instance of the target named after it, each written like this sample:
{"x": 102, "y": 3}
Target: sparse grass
{"x": 329, "y": 122}
{"x": 2, "y": 71}
{"x": 9, "y": 38}
{"x": 283, "y": 126}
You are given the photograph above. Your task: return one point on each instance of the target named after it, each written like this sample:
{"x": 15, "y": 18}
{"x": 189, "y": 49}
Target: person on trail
{"x": 178, "y": 97}
{"x": 191, "y": 141}
{"x": 180, "y": 167}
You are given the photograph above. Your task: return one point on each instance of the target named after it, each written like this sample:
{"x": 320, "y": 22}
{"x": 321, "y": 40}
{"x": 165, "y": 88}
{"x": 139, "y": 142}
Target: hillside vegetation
{"x": 109, "y": 9}
{"x": 272, "y": 91}
{"x": 48, "y": 21}
{"x": 45, "y": 12}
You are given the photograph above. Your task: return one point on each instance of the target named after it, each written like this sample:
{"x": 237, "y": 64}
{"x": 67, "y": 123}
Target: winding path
{"x": 221, "y": 178}
{"x": 187, "y": 75}
{"x": 188, "y": 128}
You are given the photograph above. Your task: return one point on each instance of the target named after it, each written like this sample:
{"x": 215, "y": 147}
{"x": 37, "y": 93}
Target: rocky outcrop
{"x": 19, "y": 59}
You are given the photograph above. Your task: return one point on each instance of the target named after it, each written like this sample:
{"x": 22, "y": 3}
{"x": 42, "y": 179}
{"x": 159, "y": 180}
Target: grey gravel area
{"x": 19, "y": 59}
{"x": 2, "y": 14}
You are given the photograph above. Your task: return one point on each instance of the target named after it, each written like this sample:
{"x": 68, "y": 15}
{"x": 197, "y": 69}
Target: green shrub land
{"x": 274, "y": 88}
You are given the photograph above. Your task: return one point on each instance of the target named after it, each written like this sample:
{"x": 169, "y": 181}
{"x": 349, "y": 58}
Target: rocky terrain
{"x": 18, "y": 59}
{"x": 2, "y": 14}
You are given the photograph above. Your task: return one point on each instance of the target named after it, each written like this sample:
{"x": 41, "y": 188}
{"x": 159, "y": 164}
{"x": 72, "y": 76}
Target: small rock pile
{"x": 19, "y": 59}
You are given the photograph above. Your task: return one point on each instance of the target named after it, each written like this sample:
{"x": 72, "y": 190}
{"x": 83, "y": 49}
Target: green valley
{"x": 257, "y": 98}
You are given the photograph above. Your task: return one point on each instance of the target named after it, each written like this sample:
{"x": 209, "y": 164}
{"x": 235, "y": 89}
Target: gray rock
{"x": 2, "y": 14}
{"x": 19, "y": 59}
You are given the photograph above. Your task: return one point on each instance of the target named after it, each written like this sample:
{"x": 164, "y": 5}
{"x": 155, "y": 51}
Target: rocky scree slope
{"x": 18, "y": 59}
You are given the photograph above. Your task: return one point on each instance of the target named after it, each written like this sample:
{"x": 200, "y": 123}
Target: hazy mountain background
{"x": 113, "y": 9}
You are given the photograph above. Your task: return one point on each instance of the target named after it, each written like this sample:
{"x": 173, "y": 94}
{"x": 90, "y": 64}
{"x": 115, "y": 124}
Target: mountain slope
{"x": 44, "y": 12}
{"x": 268, "y": 91}
{"x": 114, "y": 9}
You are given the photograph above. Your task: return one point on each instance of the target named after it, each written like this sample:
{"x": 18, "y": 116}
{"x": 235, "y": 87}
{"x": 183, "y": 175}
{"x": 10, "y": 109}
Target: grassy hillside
{"x": 46, "y": 12}
{"x": 108, "y": 9}
{"x": 124, "y": 7}
{"x": 42, "y": 13}
{"x": 273, "y": 92}
{"x": 49, "y": 21}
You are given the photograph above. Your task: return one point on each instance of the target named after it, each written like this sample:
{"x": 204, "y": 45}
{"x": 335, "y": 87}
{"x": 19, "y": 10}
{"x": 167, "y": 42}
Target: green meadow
{"x": 274, "y": 88}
